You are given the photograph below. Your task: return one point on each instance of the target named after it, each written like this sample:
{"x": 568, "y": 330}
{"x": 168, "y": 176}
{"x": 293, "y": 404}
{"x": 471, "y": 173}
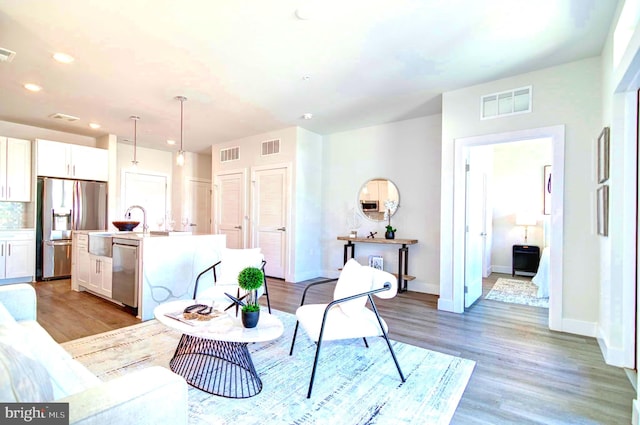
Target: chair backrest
{"x": 356, "y": 279}
{"x": 233, "y": 261}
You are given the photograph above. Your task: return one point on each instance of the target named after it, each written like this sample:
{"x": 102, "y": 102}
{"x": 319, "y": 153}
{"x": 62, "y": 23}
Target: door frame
{"x": 461, "y": 145}
{"x": 123, "y": 192}
{"x": 216, "y": 201}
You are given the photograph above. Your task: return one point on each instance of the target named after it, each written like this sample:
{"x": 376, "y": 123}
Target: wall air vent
{"x": 229, "y": 154}
{"x": 6, "y": 55}
{"x": 510, "y": 102}
{"x": 271, "y": 147}
{"x": 64, "y": 117}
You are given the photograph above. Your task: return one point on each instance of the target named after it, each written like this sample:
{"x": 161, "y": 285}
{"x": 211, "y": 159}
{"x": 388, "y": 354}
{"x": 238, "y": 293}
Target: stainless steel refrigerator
{"x": 63, "y": 206}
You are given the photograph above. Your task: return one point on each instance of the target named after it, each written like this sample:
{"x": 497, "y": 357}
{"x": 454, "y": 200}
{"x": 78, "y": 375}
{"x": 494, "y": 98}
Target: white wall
{"x": 21, "y": 131}
{"x": 517, "y": 185}
{"x": 567, "y": 95}
{"x": 307, "y": 215}
{"x": 407, "y": 153}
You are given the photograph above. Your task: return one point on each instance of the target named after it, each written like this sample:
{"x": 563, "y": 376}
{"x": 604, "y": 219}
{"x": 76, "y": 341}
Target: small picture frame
{"x": 376, "y": 261}
{"x": 603, "y": 155}
{"x": 602, "y": 210}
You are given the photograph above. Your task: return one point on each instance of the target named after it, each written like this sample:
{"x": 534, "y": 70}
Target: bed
{"x": 543, "y": 275}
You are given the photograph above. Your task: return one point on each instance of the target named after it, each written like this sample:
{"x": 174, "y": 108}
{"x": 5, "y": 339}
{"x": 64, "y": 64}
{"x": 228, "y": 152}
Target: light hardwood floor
{"x": 524, "y": 374}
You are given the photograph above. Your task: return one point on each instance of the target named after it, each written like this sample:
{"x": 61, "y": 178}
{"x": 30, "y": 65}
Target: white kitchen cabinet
{"x": 82, "y": 265}
{"x": 17, "y": 256}
{"x": 56, "y": 159}
{"x": 15, "y": 170}
{"x": 100, "y": 270}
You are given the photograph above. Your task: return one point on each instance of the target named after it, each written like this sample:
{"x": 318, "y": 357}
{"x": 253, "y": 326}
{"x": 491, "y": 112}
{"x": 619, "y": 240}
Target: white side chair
{"x": 225, "y": 276}
{"x": 347, "y": 316}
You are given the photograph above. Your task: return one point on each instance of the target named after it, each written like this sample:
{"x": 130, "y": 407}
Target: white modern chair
{"x": 225, "y": 276}
{"x": 347, "y": 316}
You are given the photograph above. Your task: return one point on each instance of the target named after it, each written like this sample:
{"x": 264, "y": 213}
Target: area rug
{"x": 516, "y": 292}
{"x": 354, "y": 385}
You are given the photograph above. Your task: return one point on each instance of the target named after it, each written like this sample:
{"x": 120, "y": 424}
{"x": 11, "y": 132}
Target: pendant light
{"x": 135, "y": 140}
{"x": 180, "y": 157}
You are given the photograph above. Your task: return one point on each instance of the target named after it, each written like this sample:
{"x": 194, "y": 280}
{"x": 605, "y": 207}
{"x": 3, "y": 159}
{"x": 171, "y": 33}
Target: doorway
{"x": 270, "y": 216}
{"x": 149, "y": 191}
{"x": 462, "y": 145}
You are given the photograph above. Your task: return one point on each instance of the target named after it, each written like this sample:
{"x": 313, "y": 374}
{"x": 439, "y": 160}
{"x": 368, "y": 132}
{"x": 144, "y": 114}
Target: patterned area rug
{"x": 354, "y": 385}
{"x": 517, "y": 292}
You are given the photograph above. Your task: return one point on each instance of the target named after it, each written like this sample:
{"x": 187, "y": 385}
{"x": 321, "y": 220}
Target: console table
{"x": 403, "y": 255}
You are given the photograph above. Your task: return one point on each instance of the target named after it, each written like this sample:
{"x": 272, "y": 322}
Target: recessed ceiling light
{"x": 94, "y": 125}
{"x": 63, "y": 57}
{"x": 171, "y": 142}
{"x": 307, "y": 116}
{"x": 32, "y": 87}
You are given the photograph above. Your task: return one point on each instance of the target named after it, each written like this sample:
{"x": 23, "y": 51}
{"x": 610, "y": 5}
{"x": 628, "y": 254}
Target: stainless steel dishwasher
{"x": 125, "y": 271}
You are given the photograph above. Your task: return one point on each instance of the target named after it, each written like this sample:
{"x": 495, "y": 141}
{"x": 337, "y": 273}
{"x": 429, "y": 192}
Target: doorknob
{"x": 193, "y": 225}
{"x": 282, "y": 228}
{"x": 237, "y": 227}
{"x": 483, "y": 234}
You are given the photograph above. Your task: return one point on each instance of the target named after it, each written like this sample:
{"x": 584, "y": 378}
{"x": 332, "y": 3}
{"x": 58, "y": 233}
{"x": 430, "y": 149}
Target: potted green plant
{"x": 390, "y": 233}
{"x": 250, "y": 279}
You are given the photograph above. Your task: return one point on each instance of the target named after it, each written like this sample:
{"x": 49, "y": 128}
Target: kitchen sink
{"x": 100, "y": 244}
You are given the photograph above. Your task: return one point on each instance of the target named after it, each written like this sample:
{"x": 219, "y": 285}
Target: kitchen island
{"x": 167, "y": 266}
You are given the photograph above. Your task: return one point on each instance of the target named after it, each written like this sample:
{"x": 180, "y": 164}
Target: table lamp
{"x": 526, "y": 219}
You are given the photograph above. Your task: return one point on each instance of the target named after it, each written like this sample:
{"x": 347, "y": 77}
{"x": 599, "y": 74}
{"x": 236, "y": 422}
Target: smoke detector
{"x": 6, "y": 55}
{"x": 59, "y": 116}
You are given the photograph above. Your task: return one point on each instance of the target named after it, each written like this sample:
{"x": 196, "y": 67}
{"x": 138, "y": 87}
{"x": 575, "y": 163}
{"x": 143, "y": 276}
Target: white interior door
{"x": 231, "y": 208}
{"x": 270, "y": 217}
{"x": 474, "y": 240}
{"x": 198, "y": 211}
{"x": 148, "y": 191}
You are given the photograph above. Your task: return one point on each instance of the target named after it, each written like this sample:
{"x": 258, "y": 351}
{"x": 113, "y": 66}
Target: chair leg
{"x": 293, "y": 341}
{"x": 366, "y": 344}
{"x": 315, "y": 363}
{"x": 393, "y": 354}
{"x": 266, "y": 292}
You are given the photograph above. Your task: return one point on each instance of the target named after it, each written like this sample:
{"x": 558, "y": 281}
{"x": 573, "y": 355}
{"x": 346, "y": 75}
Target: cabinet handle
{"x": 8, "y": 192}
{"x": 67, "y": 169}
{"x": 2, "y": 250}
{"x": 282, "y": 229}
{"x": 9, "y": 250}
{"x": 74, "y": 171}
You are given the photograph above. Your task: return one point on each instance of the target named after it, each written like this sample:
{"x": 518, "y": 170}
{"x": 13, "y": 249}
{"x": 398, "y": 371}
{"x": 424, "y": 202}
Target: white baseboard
{"x": 612, "y": 356}
{"x": 579, "y": 327}
{"x": 635, "y": 412}
{"x": 501, "y": 269}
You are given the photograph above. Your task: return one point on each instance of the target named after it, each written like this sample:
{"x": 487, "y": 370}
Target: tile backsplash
{"x": 14, "y": 215}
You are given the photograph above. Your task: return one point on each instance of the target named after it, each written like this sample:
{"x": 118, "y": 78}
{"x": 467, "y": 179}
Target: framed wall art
{"x": 376, "y": 261}
{"x": 546, "y": 197}
{"x": 602, "y": 213}
{"x": 603, "y": 155}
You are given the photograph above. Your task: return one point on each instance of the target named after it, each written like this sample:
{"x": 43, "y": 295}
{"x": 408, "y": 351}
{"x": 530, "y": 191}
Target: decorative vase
{"x": 250, "y": 318}
{"x": 390, "y": 235}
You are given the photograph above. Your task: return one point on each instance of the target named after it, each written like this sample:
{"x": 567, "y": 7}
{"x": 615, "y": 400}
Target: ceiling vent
{"x": 229, "y": 154}
{"x": 510, "y": 102}
{"x": 65, "y": 117}
{"x": 271, "y": 147}
{"x": 6, "y": 55}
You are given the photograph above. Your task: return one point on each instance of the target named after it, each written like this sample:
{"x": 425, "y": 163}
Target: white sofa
{"x": 34, "y": 368}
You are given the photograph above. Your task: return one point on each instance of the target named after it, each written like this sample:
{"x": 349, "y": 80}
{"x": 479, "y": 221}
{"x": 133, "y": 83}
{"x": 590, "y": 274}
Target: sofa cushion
{"x": 65, "y": 375}
{"x": 22, "y": 378}
{"x": 5, "y": 316}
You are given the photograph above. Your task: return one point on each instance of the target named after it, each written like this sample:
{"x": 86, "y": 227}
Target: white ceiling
{"x": 242, "y": 64}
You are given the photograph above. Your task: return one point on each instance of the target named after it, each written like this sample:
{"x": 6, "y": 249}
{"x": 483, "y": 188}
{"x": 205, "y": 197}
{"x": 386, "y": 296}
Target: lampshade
{"x": 526, "y": 219}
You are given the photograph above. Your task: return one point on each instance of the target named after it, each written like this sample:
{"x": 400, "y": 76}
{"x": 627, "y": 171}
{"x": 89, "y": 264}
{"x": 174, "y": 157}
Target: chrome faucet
{"x": 127, "y": 215}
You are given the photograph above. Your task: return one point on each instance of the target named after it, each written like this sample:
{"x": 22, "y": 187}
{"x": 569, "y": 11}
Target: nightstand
{"x": 525, "y": 259}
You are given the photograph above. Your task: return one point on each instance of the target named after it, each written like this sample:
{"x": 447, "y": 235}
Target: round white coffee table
{"x": 213, "y": 355}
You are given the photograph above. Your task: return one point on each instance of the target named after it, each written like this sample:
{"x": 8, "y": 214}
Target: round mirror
{"x": 378, "y": 198}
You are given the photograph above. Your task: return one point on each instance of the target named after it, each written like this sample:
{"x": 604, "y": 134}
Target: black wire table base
{"x": 218, "y": 367}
